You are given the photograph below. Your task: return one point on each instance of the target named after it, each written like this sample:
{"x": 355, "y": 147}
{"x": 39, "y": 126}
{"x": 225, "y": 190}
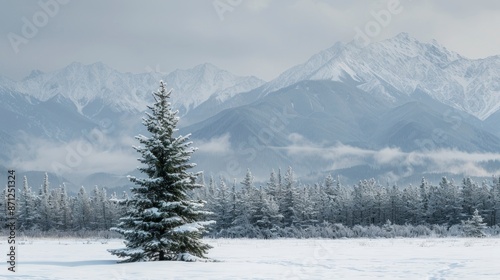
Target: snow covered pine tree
{"x": 162, "y": 222}
{"x": 474, "y": 226}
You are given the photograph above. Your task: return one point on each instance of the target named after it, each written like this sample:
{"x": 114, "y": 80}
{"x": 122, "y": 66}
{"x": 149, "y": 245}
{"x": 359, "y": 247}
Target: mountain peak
{"x": 207, "y": 68}
{"x": 74, "y": 64}
{"x": 404, "y": 36}
{"x": 402, "y": 42}
{"x": 433, "y": 50}
{"x": 206, "y": 65}
{"x": 34, "y": 73}
{"x": 99, "y": 65}
{"x": 197, "y": 70}
{"x": 393, "y": 68}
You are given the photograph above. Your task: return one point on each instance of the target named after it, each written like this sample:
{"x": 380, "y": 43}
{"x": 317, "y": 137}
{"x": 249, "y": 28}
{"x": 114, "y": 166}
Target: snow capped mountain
{"x": 392, "y": 93}
{"x": 6, "y": 84}
{"x": 305, "y": 71}
{"x": 86, "y": 85}
{"x": 392, "y": 69}
{"x": 83, "y": 84}
{"x": 194, "y": 86}
{"x": 396, "y": 67}
{"x": 313, "y": 115}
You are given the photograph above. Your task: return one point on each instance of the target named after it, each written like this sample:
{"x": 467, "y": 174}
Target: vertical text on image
{"x": 10, "y": 200}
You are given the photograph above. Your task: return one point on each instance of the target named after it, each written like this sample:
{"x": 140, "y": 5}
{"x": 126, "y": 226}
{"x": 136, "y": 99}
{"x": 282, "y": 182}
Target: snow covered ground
{"x": 450, "y": 258}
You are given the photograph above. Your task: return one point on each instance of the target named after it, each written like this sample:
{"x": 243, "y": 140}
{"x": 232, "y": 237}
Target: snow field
{"x": 447, "y": 258}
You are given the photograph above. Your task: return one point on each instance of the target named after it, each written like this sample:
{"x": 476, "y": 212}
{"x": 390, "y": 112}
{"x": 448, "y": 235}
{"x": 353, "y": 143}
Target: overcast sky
{"x": 246, "y": 37}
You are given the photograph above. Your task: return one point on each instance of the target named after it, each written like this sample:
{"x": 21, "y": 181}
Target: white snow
{"x": 152, "y": 211}
{"x": 187, "y": 228}
{"x": 451, "y": 258}
{"x": 402, "y": 63}
{"x": 83, "y": 84}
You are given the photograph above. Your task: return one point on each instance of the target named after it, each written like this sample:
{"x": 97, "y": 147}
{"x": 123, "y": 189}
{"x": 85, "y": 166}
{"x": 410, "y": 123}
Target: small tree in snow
{"x": 45, "y": 217}
{"x": 162, "y": 221}
{"x": 27, "y": 212}
{"x": 474, "y": 226}
{"x": 83, "y": 210}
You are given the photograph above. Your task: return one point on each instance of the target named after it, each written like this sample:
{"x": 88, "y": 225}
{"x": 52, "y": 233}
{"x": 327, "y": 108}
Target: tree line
{"x": 244, "y": 209}
{"x": 284, "y": 203}
{"x": 52, "y": 209}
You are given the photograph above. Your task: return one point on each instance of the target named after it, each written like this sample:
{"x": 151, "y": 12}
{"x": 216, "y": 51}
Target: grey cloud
{"x": 403, "y": 163}
{"x": 261, "y": 38}
{"x": 74, "y": 158}
{"x": 219, "y": 146}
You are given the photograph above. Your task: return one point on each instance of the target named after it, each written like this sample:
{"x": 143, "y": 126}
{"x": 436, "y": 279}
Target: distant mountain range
{"x": 92, "y": 88}
{"x": 395, "y": 68}
{"x": 339, "y": 112}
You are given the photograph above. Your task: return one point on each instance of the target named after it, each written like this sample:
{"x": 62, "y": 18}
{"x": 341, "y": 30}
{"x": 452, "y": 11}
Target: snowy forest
{"x": 283, "y": 207}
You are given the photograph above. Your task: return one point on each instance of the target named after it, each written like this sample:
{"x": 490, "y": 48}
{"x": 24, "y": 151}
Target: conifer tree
{"x": 267, "y": 215}
{"x": 247, "y": 181}
{"x": 210, "y": 190}
{"x": 162, "y": 221}
{"x": 242, "y": 222}
{"x": 222, "y": 206}
{"x": 27, "y": 213}
{"x": 474, "y": 226}
{"x": 83, "y": 210}
{"x": 424, "y": 195}
{"x": 495, "y": 193}
{"x": 259, "y": 216}
{"x": 55, "y": 209}
{"x": 233, "y": 200}
{"x": 45, "y": 218}
{"x": 65, "y": 209}
{"x": 272, "y": 185}
{"x": 288, "y": 201}
{"x": 304, "y": 211}
{"x": 413, "y": 206}
{"x": 329, "y": 199}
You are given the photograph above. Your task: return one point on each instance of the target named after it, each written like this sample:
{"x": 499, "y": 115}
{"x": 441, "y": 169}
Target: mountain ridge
{"x": 398, "y": 95}
{"x": 84, "y": 84}
{"x": 405, "y": 63}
